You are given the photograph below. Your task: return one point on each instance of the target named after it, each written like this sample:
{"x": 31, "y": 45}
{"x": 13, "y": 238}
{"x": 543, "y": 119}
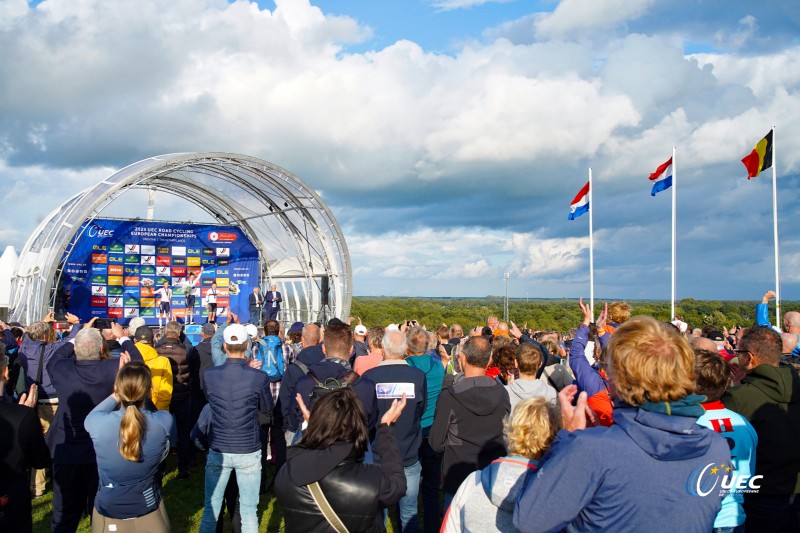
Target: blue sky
{"x": 447, "y": 136}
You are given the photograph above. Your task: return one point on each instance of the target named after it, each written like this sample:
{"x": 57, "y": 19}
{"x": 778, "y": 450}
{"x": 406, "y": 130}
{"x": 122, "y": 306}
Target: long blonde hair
{"x": 132, "y": 387}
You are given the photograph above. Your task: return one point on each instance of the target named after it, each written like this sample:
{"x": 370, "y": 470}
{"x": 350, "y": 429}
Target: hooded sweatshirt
{"x": 468, "y": 427}
{"x": 769, "y": 398}
{"x": 485, "y": 500}
{"x": 640, "y": 474}
{"x": 520, "y": 390}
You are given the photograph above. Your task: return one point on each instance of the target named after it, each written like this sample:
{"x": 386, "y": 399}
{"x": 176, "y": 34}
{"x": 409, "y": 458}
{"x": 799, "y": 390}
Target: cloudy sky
{"x": 447, "y": 136}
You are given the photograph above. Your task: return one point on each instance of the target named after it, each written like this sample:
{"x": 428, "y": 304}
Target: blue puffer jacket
{"x": 236, "y": 393}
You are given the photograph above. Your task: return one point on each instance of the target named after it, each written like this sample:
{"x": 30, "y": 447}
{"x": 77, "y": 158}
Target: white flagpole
{"x": 591, "y": 247}
{"x": 674, "y": 194}
{"x": 775, "y": 234}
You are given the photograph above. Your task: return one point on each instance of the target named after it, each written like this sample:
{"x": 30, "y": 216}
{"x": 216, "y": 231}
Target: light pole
{"x": 505, "y": 303}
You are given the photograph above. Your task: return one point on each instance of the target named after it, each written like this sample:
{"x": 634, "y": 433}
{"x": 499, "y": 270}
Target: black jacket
{"x": 356, "y": 491}
{"x": 181, "y": 365}
{"x": 468, "y": 427}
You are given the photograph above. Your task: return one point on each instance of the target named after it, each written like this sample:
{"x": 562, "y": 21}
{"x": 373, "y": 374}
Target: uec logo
{"x": 96, "y": 231}
{"x": 703, "y": 481}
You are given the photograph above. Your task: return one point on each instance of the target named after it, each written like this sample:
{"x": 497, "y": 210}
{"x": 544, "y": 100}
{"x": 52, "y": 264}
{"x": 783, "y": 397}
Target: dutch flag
{"x": 662, "y": 178}
{"x": 580, "y": 204}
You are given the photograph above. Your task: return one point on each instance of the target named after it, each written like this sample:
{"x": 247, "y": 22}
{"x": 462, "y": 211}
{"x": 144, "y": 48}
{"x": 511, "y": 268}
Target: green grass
{"x": 184, "y": 501}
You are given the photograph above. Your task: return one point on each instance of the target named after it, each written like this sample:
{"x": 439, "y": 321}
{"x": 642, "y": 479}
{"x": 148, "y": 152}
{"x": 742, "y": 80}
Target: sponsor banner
{"x": 178, "y": 313}
{"x": 223, "y": 302}
{"x": 112, "y": 260}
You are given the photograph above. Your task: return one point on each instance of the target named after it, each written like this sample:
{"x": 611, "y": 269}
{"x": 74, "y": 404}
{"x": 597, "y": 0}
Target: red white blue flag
{"x": 580, "y": 204}
{"x": 662, "y": 178}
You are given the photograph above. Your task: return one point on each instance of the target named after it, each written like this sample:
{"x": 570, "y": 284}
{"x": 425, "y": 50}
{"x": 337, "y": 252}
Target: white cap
{"x": 251, "y": 330}
{"x": 392, "y": 327}
{"x": 680, "y": 324}
{"x": 135, "y": 324}
{"x": 235, "y": 334}
{"x": 361, "y": 329}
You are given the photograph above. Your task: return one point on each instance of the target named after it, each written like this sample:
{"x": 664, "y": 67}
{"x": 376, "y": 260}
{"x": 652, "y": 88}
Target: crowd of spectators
{"x": 623, "y": 423}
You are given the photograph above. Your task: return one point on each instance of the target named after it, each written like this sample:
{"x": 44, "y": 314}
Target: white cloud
{"x": 574, "y": 16}
{"x": 448, "y": 5}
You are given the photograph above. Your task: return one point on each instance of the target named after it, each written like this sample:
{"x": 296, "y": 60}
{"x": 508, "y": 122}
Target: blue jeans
{"x": 248, "y": 476}
{"x": 407, "y": 506}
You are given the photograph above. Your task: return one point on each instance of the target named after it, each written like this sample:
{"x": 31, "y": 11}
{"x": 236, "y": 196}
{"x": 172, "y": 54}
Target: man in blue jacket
{"x": 655, "y": 469}
{"x": 236, "y": 394}
{"x": 393, "y": 377}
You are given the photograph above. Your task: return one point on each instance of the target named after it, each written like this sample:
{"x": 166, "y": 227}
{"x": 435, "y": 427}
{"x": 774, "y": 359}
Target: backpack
{"x": 331, "y": 384}
{"x": 270, "y": 353}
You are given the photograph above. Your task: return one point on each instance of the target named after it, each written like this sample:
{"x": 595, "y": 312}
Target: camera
{"x": 103, "y": 323}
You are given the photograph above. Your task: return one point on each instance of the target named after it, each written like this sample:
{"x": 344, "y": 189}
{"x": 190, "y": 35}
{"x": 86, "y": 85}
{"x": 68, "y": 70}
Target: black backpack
{"x": 322, "y": 388}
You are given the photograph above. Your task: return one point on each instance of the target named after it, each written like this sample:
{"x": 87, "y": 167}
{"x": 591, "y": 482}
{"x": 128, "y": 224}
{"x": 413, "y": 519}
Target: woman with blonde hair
{"x": 485, "y": 500}
{"x": 130, "y": 441}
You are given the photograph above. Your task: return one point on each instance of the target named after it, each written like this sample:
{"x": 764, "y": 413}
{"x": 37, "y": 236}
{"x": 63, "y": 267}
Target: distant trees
{"x": 558, "y": 315}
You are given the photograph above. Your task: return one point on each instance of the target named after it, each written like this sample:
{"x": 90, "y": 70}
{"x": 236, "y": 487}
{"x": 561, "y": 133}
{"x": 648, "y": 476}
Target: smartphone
{"x": 103, "y": 323}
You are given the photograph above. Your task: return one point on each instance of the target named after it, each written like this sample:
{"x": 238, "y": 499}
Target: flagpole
{"x": 591, "y": 247}
{"x": 674, "y": 233}
{"x": 775, "y": 233}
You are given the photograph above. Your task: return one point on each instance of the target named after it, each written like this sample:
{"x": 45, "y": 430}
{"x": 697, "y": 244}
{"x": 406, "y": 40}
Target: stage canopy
{"x": 301, "y": 247}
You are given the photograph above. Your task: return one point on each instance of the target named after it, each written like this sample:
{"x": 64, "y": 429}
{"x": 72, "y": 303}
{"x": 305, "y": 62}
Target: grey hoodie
{"x": 520, "y": 390}
{"x": 485, "y": 500}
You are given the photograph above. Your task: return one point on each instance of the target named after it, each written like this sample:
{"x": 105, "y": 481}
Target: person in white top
{"x": 189, "y": 288}
{"x": 211, "y": 303}
{"x": 164, "y": 299}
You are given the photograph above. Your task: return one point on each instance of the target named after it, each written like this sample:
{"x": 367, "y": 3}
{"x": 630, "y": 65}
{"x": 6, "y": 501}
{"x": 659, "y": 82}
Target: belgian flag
{"x": 760, "y": 158}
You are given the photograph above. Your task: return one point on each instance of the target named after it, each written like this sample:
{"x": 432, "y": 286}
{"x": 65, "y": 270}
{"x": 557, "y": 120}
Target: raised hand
{"x": 391, "y": 416}
{"x": 576, "y": 417}
{"x": 587, "y": 312}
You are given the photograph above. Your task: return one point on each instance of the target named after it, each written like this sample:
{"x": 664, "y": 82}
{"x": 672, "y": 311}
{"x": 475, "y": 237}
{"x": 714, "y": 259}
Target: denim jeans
{"x": 248, "y": 476}
{"x": 407, "y": 506}
{"x": 431, "y": 463}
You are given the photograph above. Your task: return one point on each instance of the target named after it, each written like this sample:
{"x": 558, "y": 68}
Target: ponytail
{"x": 132, "y": 387}
{"x": 131, "y": 433}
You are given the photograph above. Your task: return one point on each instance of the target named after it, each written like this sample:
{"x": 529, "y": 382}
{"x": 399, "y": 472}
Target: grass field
{"x": 184, "y": 500}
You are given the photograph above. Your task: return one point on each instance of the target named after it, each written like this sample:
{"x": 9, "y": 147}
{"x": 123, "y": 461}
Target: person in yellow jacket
{"x": 161, "y": 389}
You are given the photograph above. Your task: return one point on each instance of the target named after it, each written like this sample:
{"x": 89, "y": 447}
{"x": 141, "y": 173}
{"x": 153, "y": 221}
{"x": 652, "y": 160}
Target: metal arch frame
{"x": 59, "y": 231}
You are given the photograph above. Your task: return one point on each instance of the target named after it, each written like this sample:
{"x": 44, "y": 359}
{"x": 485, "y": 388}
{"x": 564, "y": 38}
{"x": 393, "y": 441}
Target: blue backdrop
{"x": 117, "y": 265}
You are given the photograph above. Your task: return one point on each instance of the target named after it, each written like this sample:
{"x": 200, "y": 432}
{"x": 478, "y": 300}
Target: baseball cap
{"x": 716, "y": 335}
{"x": 145, "y": 334}
{"x": 208, "y": 329}
{"x": 297, "y": 327}
{"x": 392, "y": 327}
{"x": 235, "y": 334}
{"x": 361, "y": 329}
{"x": 251, "y": 330}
